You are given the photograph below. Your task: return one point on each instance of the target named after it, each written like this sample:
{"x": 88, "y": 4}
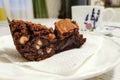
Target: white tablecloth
{"x": 111, "y": 75}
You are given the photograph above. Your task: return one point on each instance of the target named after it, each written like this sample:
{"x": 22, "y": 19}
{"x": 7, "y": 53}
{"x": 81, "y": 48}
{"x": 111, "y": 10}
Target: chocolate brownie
{"x": 36, "y": 42}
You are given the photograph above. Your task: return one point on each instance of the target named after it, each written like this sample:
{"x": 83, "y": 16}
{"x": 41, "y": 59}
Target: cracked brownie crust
{"x": 36, "y": 42}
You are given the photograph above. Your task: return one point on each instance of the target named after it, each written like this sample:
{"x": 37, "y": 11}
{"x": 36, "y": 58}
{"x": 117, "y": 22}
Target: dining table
{"x": 110, "y": 29}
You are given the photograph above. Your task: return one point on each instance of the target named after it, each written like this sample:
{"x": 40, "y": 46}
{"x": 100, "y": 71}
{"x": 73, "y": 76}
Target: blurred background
{"x": 30, "y": 9}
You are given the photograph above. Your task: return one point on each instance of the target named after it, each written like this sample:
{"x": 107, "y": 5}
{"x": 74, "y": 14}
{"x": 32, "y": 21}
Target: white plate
{"x": 107, "y": 58}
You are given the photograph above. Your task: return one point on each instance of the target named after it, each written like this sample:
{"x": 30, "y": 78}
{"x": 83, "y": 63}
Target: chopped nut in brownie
{"x": 36, "y": 42}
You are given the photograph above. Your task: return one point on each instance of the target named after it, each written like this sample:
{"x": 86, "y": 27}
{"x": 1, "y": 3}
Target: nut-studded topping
{"x": 48, "y": 50}
{"x": 23, "y": 39}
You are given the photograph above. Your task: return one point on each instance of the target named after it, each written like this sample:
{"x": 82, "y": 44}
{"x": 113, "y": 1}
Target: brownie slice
{"x": 67, "y": 33}
{"x": 36, "y": 42}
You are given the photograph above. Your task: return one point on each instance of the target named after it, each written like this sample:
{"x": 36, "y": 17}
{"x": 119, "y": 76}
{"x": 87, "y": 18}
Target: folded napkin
{"x": 64, "y": 63}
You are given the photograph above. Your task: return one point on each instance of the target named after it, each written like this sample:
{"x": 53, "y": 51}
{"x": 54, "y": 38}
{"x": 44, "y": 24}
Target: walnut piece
{"x": 38, "y": 44}
{"x": 23, "y": 39}
{"x": 37, "y": 47}
{"x": 48, "y": 50}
